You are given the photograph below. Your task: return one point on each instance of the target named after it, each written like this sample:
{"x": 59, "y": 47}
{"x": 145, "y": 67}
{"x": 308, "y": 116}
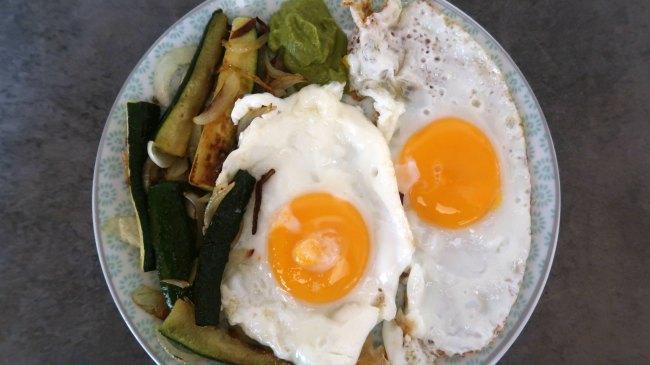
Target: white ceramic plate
{"x": 111, "y": 197}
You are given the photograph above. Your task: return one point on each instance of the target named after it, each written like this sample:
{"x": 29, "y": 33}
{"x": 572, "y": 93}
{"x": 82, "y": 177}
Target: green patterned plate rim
{"x": 110, "y": 195}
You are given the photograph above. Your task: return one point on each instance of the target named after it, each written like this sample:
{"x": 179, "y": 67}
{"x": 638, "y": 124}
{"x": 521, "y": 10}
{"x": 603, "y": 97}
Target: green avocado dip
{"x": 311, "y": 42}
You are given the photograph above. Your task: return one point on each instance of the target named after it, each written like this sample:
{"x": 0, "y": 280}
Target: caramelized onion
{"x": 196, "y": 210}
{"x": 246, "y": 120}
{"x": 236, "y": 33}
{"x": 258, "y": 196}
{"x": 191, "y": 204}
{"x": 151, "y": 301}
{"x": 124, "y": 229}
{"x": 221, "y": 102}
{"x": 150, "y": 174}
{"x": 179, "y": 283}
{"x": 220, "y": 191}
{"x": 248, "y": 75}
{"x": 270, "y": 69}
{"x": 285, "y": 82}
{"x": 277, "y": 87}
{"x": 176, "y": 171}
{"x": 160, "y": 158}
{"x": 249, "y": 47}
{"x": 195, "y": 138}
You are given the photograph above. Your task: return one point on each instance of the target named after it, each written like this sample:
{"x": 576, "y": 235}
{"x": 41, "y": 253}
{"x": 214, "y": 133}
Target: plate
{"x": 110, "y": 198}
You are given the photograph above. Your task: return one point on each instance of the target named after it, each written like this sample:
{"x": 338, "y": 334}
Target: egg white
{"x": 315, "y": 143}
{"x": 462, "y": 282}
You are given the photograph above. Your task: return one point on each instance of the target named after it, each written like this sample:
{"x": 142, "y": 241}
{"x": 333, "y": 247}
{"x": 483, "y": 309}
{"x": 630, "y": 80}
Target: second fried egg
{"x": 458, "y": 144}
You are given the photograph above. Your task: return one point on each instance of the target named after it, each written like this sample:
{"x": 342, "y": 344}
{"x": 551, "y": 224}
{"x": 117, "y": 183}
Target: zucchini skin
{"x": 212, "y": 342}
{"x": 174, "y": 133}
{"x": 219, "y": 136}
{"x": 172, "y": 237}
{"x": 142, "y": 120}
{"x": 213, "y": 255}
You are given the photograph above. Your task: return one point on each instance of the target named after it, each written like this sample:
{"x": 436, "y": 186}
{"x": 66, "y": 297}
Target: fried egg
{"x": 323, "y": 267}
{"x": 458, "y": 145}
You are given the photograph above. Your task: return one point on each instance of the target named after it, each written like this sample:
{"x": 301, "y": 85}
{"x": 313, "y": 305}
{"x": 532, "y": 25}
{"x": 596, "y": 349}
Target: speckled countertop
{"x": 63, "y": 62}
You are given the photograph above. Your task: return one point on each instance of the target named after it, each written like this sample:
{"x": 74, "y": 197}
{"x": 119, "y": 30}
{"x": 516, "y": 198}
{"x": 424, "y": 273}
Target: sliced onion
{"x": 160, "y": 158}
{"x": 195, "y": 138}
{"x": 177, "y": 352}
{"x": 150, "y": 174}
{"x": 177, "y": 169}
{"x": 205, "y": 198}
{"x": 192, "y": 202}
{"x": 201, "y": 204}
{"x": 248, "y": 75}
{"x": 248, "y": 47}
{"x": 246, "y": 120}
{"x": 196, "y": 209}
{"x": 243, "y": 29}
{"x": 219, "y": 192}
{"x": 193, "y": 198}
{"x": 151, "y": 301}
{"x": 168, "y": 73}
{"x": 179, "y": 283}
{"x": 222, "y": 101}
{"x": 279, "y": 93}
{"x": 124, "y": 229}
{"x": 258, "y": 197}
{"x": 285, "y": 82}
{"x": 270, "y": 69}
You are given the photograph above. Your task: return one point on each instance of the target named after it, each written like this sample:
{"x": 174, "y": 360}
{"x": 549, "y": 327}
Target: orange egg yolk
{"x": 457, "y": 179}
{"x": 318, "y": 247}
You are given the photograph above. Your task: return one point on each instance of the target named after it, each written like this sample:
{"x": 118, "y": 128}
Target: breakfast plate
{"x": 120, "y": 262}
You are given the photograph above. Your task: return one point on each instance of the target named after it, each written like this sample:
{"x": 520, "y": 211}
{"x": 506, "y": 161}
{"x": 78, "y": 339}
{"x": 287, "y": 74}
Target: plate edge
{"x": 530, "y": 308}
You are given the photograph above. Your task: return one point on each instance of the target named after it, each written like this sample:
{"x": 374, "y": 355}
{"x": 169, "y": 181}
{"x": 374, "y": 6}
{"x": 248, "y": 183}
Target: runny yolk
{"x": 318, "y": 247}
{"x": 457, "y": 180}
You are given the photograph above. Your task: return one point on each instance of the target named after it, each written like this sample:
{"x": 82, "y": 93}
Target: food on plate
{"x": 169, "y": 72}
{"x": 176, "y": 127}
{"x": 218, "y": 136}
{"x": 310, "y": 41}
{"x": 151, "y": 301}
{"x": 458, "y": 144}
{"x": 323, "y": 267}
{"x": 220, "y": 234}
{"x": 142, "y": 121}
{"x": 215, "y": 343}
{"x": 314, "y": 211}
{"x": 171, "y": 238}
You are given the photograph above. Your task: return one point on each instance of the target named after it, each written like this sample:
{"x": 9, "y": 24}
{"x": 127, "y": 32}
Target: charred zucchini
{"x": 141, "y": 119}
{"x": 218, "y": 136}
{"x": 212, "y": 342}
{"x": 213, "y": 255}
{"x": 174, "y": 133}
{"x": 172, "y": 238}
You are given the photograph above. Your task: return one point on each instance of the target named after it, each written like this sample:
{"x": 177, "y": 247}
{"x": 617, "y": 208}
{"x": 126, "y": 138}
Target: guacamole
{"x": 312, "y": 43}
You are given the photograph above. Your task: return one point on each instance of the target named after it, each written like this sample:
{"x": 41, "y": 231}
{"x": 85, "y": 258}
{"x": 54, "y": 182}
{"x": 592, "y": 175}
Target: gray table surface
{"x": 63, "y": 62}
